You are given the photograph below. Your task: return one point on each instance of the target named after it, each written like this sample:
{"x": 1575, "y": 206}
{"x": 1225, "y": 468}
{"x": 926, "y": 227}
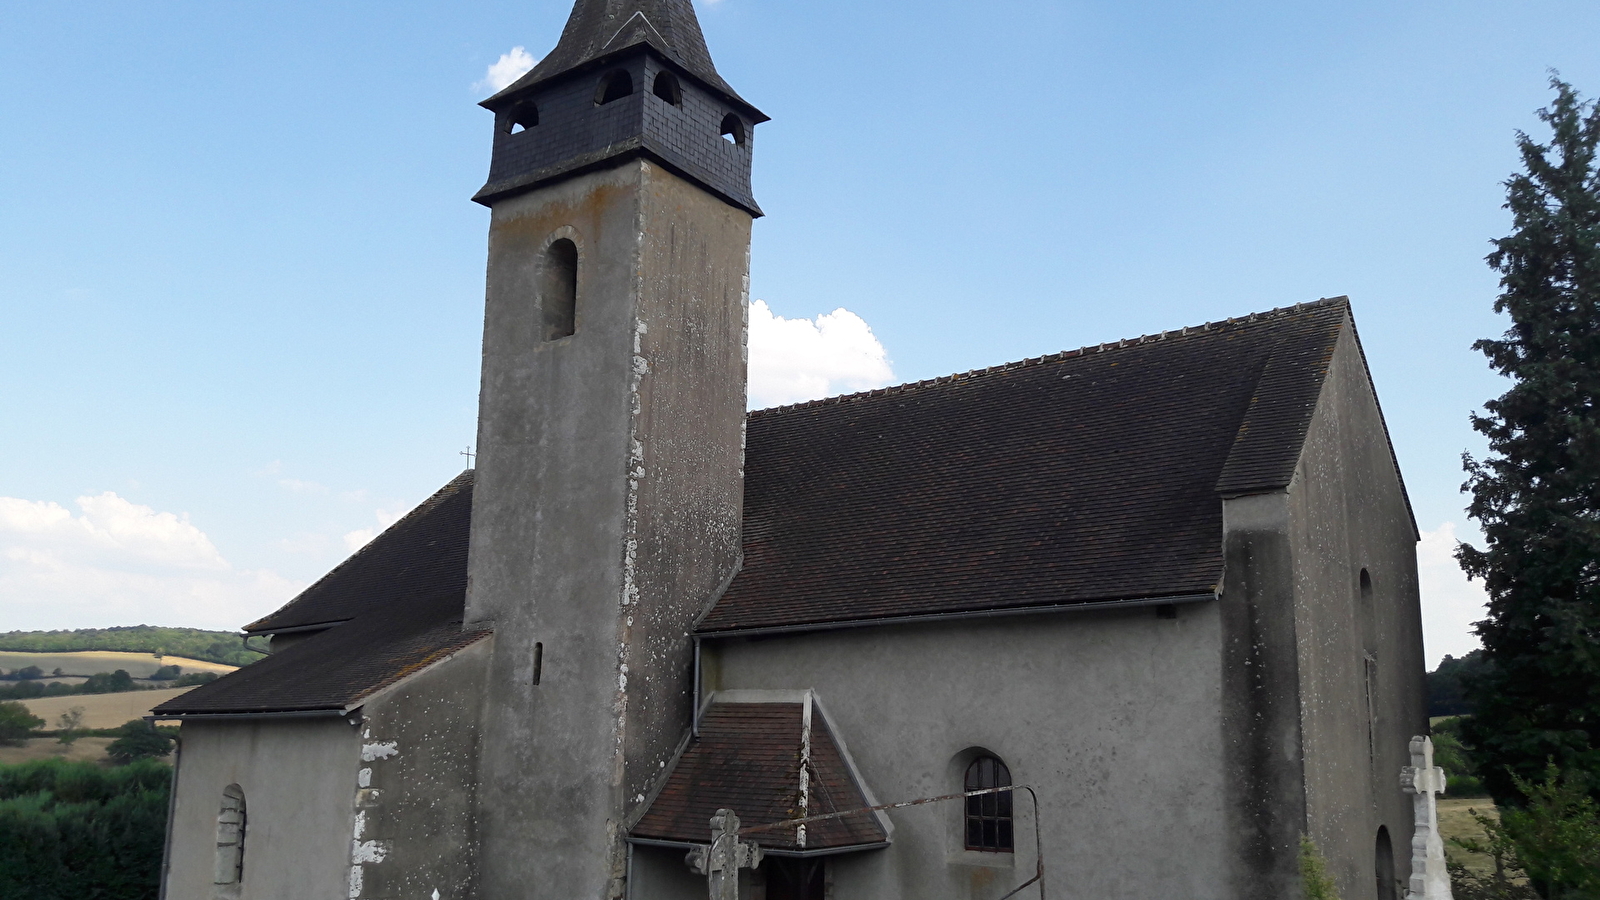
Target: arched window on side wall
{"x": 989, "y": 822}
{"x": 1383, "y": 867}
{"x": 230, "y": 843}
{"x": 558, "y": 290}
{"x": 1369, "y": 662}
{"x": 733, "y": 129}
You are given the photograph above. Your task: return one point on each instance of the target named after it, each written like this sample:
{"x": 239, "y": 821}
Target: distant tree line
{"x": 193, "y": 643}
{"x": 1447, "y": 685}
{"x": 116, "y": 682}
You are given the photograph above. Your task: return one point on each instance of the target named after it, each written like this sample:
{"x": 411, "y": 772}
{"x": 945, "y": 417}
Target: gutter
{"x": 294, "y": 629}
{"x": 793, "y": 854}
{"x": 172, "y": 814}
{"x": 957, "y": 616}
{"x": 279, "y": 714}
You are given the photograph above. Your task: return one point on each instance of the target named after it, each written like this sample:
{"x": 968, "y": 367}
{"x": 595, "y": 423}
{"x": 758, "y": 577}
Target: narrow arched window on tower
{"x": 558, "y": 289}
{"x": 666, "y": 87}
{"x": 988, "y": 815}
{"x": 230, "y": 843}
{"x": 614, "y": 86}
{"x": 733, "y": 129}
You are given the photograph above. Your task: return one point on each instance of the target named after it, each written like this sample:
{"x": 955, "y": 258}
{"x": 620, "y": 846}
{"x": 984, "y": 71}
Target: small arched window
{"x": 989, "y": 815}
{"x": 521, "y": 117}
{"x": 1383, "y": 867}
{"x": 666, "y": 87}
{"x": 614, "y": 86}
{"x": 1366, "y": 587}
{"x": 558, "y": 290}
{"x": 733, "y": 129}
{"x": 230, "y": 843}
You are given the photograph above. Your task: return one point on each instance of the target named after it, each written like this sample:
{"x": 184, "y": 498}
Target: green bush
{"x": 1315, "y": 882}
{"x": 74, "y": 830}
{"x": 138, "y": 739}
{"x": 1553, "y": 842}
{"x": 16, "y": 723}
{"x": 1455, "y": 757}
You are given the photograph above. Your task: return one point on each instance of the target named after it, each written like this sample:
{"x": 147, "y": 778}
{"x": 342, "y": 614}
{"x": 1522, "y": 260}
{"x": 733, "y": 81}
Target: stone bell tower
{"x": 606, "y": 512}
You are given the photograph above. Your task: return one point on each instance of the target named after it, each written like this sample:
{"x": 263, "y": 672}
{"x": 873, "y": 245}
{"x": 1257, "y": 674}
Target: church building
{"x": 1132, "y": 618}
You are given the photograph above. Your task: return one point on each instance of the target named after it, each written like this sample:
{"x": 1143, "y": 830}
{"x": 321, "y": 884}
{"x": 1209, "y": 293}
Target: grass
{"x": 1455, "y": 820}
{"x": 91, "y": 749}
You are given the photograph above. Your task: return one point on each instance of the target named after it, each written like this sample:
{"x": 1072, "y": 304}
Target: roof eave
{"x": 1085, "y": 606}
{"x": 765, "y": 851}
{"x": 515, "y": 91}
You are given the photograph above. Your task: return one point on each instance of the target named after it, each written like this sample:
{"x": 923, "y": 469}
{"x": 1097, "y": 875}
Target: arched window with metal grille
{"x": 989, "y": 821}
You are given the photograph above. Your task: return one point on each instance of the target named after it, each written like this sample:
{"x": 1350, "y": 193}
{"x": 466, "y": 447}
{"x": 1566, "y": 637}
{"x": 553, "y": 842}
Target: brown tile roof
{"x": 1084, "y": 476}
{"x": 422, "y": 555}
{"x": 747, "y": 759}
{"x": 338, "y": 668}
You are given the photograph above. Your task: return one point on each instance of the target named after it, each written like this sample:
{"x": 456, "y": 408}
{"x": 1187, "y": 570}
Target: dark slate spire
{"x": 599, "y": 29}
{"x": 629, "y": 79}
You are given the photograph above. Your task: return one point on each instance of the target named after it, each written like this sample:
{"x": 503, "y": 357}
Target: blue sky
{"x": 241, "y": 281}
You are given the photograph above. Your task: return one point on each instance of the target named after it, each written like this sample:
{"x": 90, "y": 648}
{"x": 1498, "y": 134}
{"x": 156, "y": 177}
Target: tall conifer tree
{"x": 1537, "y": 495}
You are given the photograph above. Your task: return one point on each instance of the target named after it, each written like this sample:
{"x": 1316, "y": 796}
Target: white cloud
{"x": 296, "y": 486}
{"x": 119, "y": 563}
{"x": 359, "y": 538}
{"x": 506, "y": 70}
{"x": 802, "y": 359}
{"x": 1450, "y": 602}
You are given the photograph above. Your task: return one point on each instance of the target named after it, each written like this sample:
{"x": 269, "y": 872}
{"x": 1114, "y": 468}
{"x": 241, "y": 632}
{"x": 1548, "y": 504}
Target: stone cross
{"x": 1424, "y": 782}
{"x": 721, "y": 861}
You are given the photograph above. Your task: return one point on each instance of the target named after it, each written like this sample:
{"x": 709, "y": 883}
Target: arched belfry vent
{"x": 598, "y": 96}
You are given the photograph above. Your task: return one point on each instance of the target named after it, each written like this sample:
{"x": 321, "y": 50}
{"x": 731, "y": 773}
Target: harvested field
{"x": 90, "y": 662}
{"x": 86, "y": 748}
{"x": 1455, "y": 820}
{"x": 102, "y": 710}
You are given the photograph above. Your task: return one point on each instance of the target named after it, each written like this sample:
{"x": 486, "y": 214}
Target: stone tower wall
{"x": 606, "y": 512}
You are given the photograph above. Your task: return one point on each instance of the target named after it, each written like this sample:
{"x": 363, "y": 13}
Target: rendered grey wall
{"x": 413, "y": 835}
{"x": 606, "y": 510}
{"x": 1112, "y": 715}
{"x": 298, "y": 778}
{"x": 1348, "y": 512}
{"x": 1264, "y": 768}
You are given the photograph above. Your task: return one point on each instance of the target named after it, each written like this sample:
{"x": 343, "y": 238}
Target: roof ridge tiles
{"x": 1029, "y": 362}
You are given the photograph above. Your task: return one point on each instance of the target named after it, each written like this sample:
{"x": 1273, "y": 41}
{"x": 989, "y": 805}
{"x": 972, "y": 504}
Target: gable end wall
{"x": 1348, "y": 511}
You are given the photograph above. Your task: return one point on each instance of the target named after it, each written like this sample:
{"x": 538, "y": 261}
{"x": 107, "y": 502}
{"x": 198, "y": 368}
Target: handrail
{"x": 1038, "y": 843}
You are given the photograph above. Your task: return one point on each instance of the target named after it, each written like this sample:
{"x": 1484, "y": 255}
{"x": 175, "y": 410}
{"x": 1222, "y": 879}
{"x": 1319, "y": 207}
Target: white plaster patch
{"x": 370, "y": 752}
{"x": 369, "y": 852}
{"x": 364, "y": 778}
{"x": 361, "y": 824}
{"x": 355, "y": 881}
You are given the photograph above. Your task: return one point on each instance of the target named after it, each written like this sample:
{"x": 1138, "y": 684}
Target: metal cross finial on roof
{"x": 721, "y": 861}
{"x": 469, "y": 455}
